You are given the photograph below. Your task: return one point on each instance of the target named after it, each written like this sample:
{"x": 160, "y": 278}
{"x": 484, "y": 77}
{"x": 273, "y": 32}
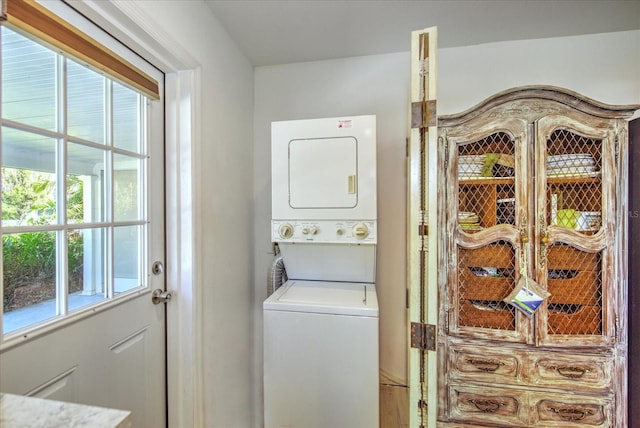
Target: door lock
{"x": 157, "y": 268}
{"x": 160, "y": 296}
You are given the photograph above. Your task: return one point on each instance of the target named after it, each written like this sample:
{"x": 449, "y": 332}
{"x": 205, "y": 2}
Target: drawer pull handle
{"x": 487, "y": 406}
{"x": 571, "y": 413}
{"x": 572, "y": 372}
{"x": 485, "y": 365}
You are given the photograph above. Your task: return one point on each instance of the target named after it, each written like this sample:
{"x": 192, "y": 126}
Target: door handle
{"x": 160, "y": 296}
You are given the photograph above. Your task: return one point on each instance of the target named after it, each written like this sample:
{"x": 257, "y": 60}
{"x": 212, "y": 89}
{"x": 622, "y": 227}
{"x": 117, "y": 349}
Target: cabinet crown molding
{"x": 509, "y": 103}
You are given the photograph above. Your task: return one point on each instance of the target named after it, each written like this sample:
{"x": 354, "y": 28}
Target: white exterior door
{"x": 114, "y": 357}
{"x": 108, "y": 350}
{"x": 422, "y": 275}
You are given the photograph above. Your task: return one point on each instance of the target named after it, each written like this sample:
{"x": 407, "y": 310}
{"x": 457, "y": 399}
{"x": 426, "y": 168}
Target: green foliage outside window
{"x": 29, "y": 259}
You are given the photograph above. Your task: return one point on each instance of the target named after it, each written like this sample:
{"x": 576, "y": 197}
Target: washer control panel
{"x": 328, "y": 231}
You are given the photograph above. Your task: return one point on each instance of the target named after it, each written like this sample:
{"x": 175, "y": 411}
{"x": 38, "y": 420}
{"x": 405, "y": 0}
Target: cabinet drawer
{"x": 568, "y": 411}
{"x": 574, "y": 319}
{"x": 482, "y": 364}
{"x": 574, "y": 372}
{"x": 511, "y": 407}
{"x": 579, "y": 287}
{"x": 497, "y": 406}
{"x": 523, "y": 366}
{"x": 486, "y": 314}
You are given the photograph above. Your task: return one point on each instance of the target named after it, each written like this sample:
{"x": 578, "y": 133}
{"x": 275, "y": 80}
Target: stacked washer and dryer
{"x": 321, "y": 325}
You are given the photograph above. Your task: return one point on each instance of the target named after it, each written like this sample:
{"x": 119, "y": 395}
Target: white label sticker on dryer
{"x": 346, "y": 123}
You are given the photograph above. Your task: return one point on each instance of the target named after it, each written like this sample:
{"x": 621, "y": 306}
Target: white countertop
{"x": 17, "y": 411}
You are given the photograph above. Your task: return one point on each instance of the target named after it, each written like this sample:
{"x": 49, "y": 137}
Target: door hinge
{"x": 423, "y": 336}
{"x": 423, "y": 114}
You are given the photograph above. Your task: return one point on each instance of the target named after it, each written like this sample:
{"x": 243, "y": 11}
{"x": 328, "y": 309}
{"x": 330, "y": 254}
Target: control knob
{"x": 360, "y": 231}
{"x": 285, "y": 230}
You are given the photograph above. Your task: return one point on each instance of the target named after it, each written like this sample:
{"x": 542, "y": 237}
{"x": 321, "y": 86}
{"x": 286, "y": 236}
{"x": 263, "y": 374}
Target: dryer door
{"x": 323, "y": 173}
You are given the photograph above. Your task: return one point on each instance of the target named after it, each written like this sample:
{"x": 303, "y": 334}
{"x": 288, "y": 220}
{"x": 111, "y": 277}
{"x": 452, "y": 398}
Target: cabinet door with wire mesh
{"x": 485, "y": 218}
{"x": 576, "y": 203}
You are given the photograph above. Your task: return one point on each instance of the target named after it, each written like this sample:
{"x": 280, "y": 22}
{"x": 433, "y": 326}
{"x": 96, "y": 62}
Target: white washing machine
{"x": 321, "y": 326}
{"x": 321, "y": 355}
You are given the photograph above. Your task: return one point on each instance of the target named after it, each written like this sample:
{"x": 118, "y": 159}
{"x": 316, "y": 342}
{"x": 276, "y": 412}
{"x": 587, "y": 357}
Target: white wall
{"x": 224, "y": 205}
{"x": 604, "y": 67}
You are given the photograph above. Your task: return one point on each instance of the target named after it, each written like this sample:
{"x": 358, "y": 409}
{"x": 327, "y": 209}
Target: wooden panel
{"x": 394, "y": 406}
{"x": 634, "y": 271}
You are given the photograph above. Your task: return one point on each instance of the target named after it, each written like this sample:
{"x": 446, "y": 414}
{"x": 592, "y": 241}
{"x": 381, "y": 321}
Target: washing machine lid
{"x": 324, "y": 297}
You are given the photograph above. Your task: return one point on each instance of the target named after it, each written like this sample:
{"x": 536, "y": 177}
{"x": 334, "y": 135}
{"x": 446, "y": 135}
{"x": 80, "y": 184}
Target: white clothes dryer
{"x": 321, "y": 355}
{"x": 324, "y": 210}
{"x": 324, "y": 169}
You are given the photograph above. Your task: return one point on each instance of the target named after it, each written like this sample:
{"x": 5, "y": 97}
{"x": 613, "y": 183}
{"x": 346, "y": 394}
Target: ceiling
{"x": 273, "y": 32}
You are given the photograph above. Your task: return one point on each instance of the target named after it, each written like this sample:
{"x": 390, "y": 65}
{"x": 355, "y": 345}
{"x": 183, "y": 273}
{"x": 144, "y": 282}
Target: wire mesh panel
{"x": 574, "y": 279}
{"x": 485, "y": 277}
{"x": 486, "y": 186}
{"x": 574, "y": 181}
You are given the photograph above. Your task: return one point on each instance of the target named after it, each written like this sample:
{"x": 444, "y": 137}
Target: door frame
{"x": 127, "y": 22}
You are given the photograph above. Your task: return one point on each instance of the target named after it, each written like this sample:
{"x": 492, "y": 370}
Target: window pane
{"x": 28, "y": 178}
{"x": 85, "y": 103}
{"x": 126, "y": 196}
{"x": 28, "y": 81}
{"x": 85, "y": 183}
{"x": 95, "y": 148}
{"x": 29, "y": 278}
{"x": 127, "y": 249}
{"x": 126, "y": 118}
{"x": 87, "y": 275}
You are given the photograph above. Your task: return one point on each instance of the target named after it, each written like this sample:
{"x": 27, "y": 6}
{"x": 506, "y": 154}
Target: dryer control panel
{"x": 324, "y": 231}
